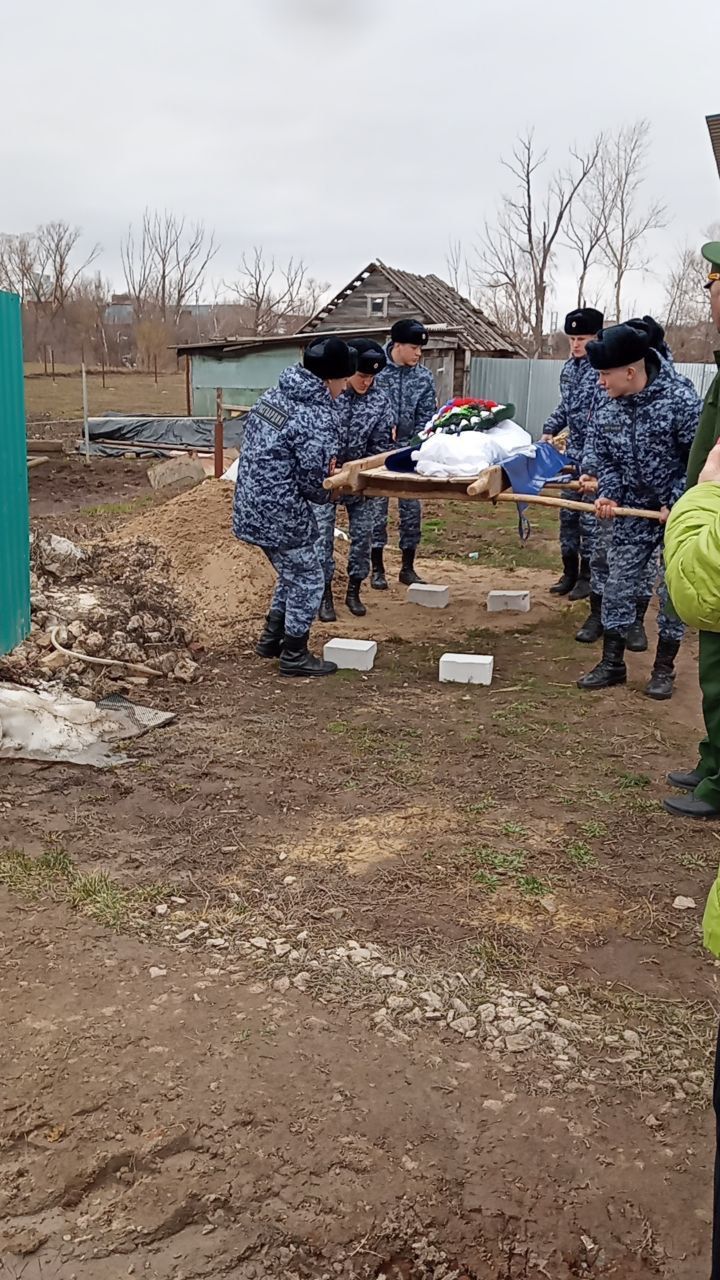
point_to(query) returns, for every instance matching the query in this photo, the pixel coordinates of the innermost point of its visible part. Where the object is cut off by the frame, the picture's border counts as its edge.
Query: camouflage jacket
(367, 423)
(642, 442)
(411, 393)
(580, 395)
(292, 437)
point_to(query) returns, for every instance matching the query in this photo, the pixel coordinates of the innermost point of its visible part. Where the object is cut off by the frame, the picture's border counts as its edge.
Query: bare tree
(617, 188)
(586, 226)
(43, 266)
(517, 255)
(458, 268)
(165, 264)
(279, 299)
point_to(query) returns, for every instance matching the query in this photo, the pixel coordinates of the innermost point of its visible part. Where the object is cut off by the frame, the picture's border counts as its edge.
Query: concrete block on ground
(466, 668)
(431, 597)
(508, 602)
(176, 471)
(351, 655)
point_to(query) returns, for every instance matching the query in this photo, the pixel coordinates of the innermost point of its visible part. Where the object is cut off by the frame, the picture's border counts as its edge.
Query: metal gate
(14, 510)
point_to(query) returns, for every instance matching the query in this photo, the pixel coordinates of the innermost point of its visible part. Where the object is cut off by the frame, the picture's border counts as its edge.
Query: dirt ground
(368, 976)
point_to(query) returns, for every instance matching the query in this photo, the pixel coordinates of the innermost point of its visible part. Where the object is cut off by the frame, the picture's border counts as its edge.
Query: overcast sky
(342, 130)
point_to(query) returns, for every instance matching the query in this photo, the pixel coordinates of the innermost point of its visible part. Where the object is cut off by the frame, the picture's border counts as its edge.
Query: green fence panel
(14, 510)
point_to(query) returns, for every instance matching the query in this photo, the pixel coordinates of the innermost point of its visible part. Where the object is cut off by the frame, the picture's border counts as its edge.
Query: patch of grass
(641, 804)
(337, 726)
(593, 829)
(532, 887)
(696, 861)
(112, 509)
(633, 781)
(581, 854)
(94, 894)
(513, 829)
(496, 860)
(486, 881)
(481, 805)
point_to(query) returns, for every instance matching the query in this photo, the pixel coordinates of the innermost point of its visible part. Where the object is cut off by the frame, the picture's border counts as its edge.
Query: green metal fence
(14, 510)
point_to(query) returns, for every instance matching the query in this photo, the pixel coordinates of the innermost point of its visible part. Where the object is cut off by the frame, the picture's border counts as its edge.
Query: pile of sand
(225, 583)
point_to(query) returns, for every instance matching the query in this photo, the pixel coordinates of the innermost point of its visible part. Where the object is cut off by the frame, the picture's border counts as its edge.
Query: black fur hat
(619, 346)
(370, 356)
(330, 358)
(411, 332)
(655, 333)
(582, 321)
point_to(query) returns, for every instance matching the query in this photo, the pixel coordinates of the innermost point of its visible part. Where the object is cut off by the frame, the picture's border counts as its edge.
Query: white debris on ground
(510, 1023)
(106, 602)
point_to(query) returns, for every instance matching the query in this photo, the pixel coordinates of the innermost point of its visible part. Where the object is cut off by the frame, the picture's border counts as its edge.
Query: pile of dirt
(225, 583)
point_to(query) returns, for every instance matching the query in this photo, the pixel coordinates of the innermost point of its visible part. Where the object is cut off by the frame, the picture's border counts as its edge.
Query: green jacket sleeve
(707, 433)
(692, 557)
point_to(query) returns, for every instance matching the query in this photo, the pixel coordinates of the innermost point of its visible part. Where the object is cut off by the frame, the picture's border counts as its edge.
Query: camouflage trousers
(300, 586)
(359, 515)
(599, 562)
(410, 522)
(635, 553)
(577, 531)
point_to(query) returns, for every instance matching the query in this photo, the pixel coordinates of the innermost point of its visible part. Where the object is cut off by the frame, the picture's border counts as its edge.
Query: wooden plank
(45, 446)
(36, 462)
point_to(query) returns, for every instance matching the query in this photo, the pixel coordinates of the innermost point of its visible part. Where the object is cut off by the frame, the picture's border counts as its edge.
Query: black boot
(378, 581)
(352, 599)
(271, 641)
(637, 641)
(662, 679)
(685, 781)
(690, 807)
(571, 564)
(611, 669)
(407, 574)
(581, 590)
(592, 628)
(326, 612)
(296, 659)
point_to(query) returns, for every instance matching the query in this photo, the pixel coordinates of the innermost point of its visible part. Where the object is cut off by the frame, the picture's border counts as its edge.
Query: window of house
(378, 306)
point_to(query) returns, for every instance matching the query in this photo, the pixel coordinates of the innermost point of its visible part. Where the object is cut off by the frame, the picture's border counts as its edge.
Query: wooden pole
(45, 358)
(219, 433)
(102, 362)
(567, 505)
(52, 360)
(188, 391)
(345, 478)
(155, 368)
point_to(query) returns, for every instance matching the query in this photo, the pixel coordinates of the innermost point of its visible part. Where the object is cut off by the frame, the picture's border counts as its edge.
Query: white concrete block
(430, 596)
(508, 602)
(351, 655)
(466, 668)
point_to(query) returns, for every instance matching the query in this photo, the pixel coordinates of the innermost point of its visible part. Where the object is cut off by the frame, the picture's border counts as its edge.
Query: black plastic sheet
(116, 433)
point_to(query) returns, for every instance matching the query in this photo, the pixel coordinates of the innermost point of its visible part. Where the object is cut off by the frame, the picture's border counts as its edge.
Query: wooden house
(379, 295)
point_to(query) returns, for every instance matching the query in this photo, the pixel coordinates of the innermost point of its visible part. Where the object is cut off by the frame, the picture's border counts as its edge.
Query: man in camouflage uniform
(643, 431)
(703, 782)
(410, 388)
(591, 630)
(579, 393)
(366, 429)
(290, 445)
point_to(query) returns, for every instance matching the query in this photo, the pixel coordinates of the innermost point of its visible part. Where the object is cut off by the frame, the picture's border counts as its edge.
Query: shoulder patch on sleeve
(271, 414)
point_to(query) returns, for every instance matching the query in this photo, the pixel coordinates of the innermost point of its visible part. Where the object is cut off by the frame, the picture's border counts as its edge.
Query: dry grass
(125, 392)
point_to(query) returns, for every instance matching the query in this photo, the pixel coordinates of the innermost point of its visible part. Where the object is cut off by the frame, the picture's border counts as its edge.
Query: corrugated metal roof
(235, 346)
(713, 124)
(437, 303)
(14, 517)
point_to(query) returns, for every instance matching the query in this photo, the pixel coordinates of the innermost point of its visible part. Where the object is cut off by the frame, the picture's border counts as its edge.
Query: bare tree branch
(617, 189)
(280, 299)
(517, 255)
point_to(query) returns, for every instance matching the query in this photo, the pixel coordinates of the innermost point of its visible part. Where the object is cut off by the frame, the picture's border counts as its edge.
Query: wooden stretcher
(370, 478)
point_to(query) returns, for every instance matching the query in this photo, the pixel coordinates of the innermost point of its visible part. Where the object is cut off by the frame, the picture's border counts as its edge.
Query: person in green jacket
(694, 583)
(692, 561)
